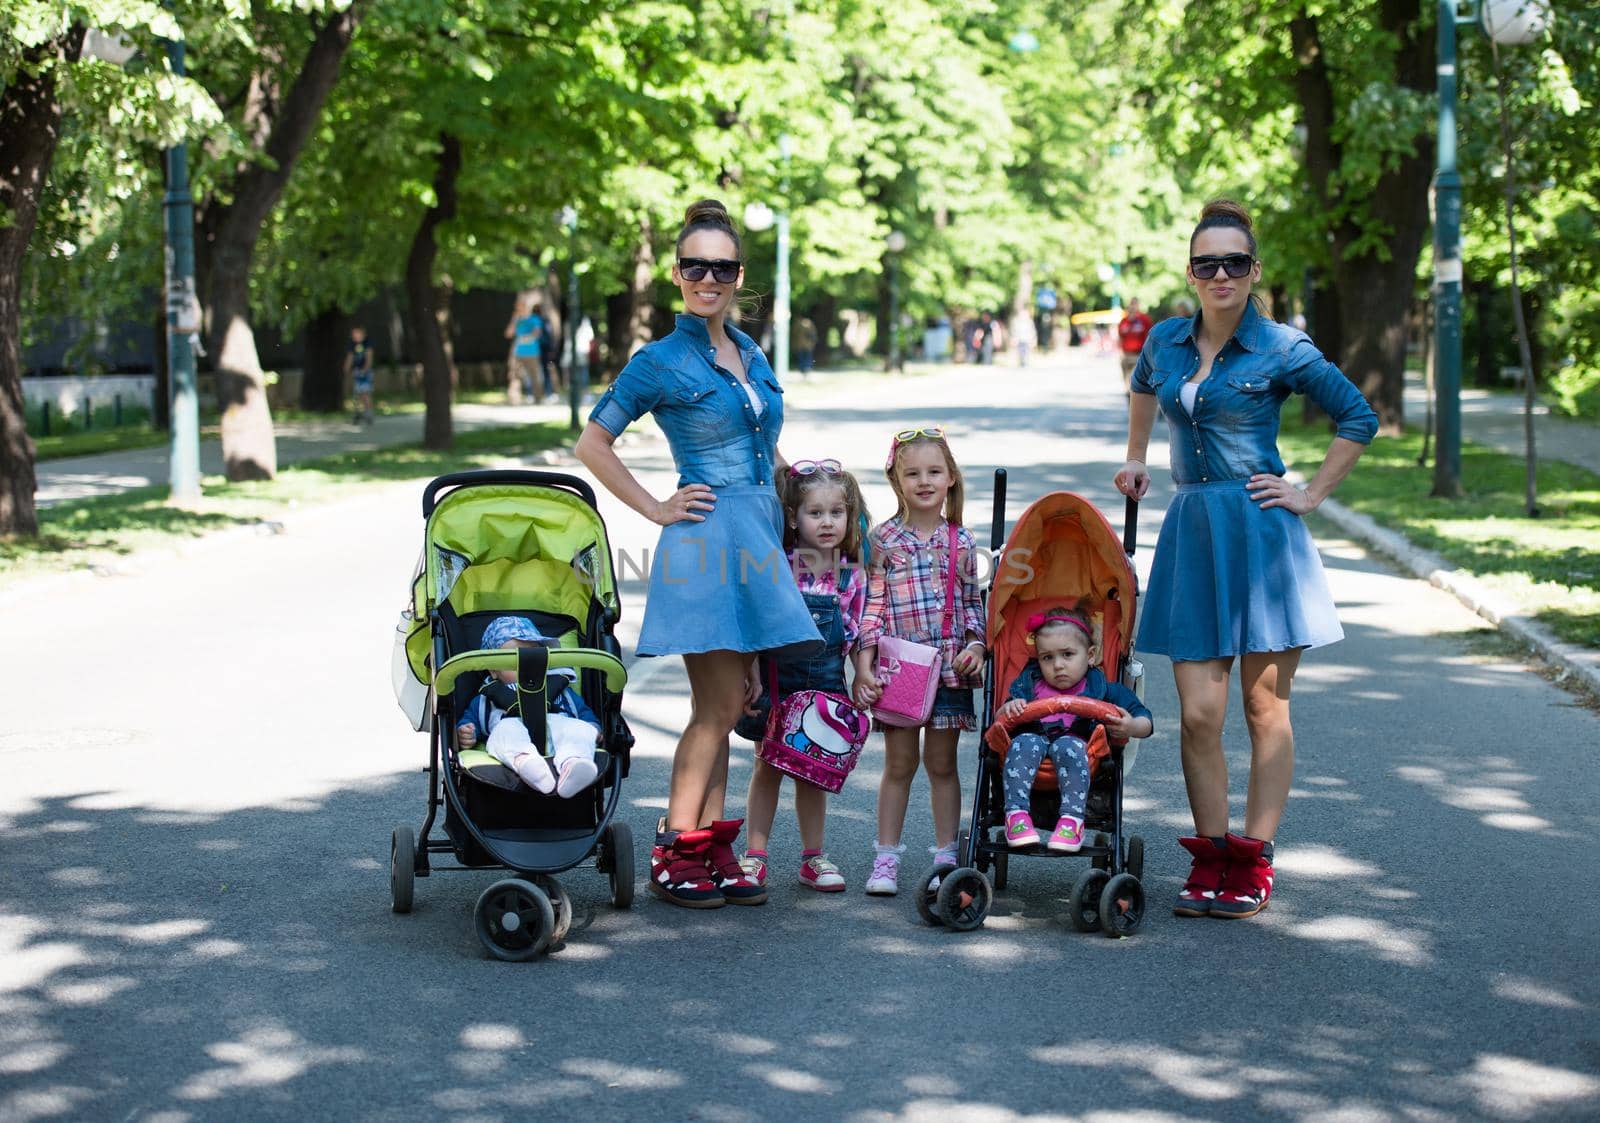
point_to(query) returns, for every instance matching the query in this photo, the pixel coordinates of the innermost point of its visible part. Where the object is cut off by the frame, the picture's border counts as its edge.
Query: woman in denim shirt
(1236, 574)
(720, 589)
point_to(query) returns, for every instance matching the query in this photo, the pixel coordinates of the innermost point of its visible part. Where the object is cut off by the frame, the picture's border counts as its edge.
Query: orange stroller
(1061, 552)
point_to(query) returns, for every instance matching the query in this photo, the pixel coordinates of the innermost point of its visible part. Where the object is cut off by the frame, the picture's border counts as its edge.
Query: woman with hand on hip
(1236, 575)
(720, 590)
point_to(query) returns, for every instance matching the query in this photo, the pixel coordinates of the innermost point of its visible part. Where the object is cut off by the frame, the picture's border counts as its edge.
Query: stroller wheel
(1085, 915)
(561, 903)
(1121, 906)
(928, 894)
(402, 869)
(964, 899)
(617, 852)
(1134, 862)
(515, 919)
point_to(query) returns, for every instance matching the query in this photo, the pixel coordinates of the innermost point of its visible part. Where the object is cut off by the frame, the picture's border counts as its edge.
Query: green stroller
(528, 544)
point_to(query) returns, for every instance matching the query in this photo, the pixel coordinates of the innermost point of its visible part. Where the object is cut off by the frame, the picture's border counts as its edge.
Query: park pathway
(202, 763)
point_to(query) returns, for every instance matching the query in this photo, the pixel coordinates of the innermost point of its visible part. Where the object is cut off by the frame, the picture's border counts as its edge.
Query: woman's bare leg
(1203, 699)
(1266, 677)
(700, 764)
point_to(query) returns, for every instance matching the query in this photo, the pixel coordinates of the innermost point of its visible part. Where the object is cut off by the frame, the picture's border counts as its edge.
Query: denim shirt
(1233, 433)
(716, 437)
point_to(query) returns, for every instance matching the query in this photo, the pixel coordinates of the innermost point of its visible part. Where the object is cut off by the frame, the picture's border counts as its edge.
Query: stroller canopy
(1061, 552)
(511, 547)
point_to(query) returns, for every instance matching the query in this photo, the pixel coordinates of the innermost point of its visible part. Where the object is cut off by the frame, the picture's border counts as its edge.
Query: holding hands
(684, 504)
(969, 660)
(867, 689)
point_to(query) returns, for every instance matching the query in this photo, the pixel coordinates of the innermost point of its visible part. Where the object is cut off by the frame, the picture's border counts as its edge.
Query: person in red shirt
(1130, 334)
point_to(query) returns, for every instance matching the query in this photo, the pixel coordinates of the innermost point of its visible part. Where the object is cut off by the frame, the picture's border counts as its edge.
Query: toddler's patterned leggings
(1071, 758)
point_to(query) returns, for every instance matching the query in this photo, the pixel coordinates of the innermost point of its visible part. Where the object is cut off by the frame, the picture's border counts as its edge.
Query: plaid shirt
(906, 590)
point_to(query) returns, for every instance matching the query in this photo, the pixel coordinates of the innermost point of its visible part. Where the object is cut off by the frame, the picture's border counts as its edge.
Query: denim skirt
(1230, 578)
(725, 585)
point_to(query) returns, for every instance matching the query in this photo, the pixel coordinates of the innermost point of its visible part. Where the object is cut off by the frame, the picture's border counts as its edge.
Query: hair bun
(1227, 209)
(709, 212)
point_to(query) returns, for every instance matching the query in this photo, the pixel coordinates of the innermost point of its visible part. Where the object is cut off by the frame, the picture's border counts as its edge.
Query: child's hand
(867, 689)
(1127, 726)
(1011, 709)
(752, 690)
(466, 736)
(969, 660)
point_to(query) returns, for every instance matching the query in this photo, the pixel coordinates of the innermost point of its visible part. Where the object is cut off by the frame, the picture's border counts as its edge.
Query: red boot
(736, 886)
(1205, 877)
(678, 872)
(1249, 881)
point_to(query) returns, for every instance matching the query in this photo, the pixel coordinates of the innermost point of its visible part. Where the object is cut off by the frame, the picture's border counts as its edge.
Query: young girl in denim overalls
(823, 517)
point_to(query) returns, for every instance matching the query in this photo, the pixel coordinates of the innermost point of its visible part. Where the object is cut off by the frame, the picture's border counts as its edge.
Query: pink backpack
(909, 672)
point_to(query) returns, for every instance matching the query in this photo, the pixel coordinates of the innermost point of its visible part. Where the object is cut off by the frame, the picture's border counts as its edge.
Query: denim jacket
(716, 437)
(1233, 433)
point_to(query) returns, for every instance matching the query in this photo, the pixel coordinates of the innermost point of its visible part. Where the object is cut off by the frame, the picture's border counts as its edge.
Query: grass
(1549, 565)
(96, 533)
(95, 441)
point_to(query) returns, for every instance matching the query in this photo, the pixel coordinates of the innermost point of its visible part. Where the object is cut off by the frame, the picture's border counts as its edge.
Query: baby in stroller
(1064, 663)
(573, 729)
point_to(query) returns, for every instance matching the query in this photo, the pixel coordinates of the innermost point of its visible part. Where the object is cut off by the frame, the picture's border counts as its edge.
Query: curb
(1569, 658)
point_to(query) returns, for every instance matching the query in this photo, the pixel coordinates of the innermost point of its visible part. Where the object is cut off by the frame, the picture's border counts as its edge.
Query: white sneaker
(885, 879)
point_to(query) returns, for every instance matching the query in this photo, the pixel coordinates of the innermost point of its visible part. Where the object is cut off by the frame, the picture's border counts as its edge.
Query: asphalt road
(201, 762)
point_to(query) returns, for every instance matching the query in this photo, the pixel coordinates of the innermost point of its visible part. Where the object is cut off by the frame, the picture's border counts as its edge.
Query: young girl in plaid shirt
(906, 578)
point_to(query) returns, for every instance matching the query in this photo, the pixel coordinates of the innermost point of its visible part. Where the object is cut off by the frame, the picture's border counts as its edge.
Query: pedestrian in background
(358, 365)
(713, 394)
(1236, 575)
(1131, 333)
(986, 328)
(805, 345)
(1023, 335)
(526, 332)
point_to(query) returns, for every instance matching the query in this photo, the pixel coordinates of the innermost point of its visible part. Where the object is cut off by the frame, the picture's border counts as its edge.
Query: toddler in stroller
(1063, 665)
(573, 729)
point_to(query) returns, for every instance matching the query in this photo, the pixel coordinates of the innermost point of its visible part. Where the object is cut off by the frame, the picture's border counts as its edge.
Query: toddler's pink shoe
(1068, 835)
(816, 872)
(1020, 830)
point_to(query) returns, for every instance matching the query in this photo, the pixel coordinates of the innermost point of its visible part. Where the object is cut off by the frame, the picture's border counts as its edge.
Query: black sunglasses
(1234, 265)
(695, 269)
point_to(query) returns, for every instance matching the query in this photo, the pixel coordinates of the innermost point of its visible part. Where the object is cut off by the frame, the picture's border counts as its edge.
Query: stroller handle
(430, 494)
(506, 660)
(1130, 526)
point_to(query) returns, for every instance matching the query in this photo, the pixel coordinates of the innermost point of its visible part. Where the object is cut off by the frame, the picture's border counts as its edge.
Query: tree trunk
(285, 120)
(30, 127)
(322, 377)
(423, 295)
(643, 289)
(1375, 285)
(825, 314)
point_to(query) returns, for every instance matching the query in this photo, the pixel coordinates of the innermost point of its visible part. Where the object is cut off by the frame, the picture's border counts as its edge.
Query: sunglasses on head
(934, 432)
(829, 467)
(723, 271)
(1234, 265)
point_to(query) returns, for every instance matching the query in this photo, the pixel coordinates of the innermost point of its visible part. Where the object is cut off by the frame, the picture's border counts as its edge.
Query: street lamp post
(895, 243)
(569, 219)
(1507, 22)
(1447, 269)
(780, 296)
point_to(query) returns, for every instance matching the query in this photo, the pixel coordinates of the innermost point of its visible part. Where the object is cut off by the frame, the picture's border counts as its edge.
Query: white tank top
(1187, 395)
(755, 399)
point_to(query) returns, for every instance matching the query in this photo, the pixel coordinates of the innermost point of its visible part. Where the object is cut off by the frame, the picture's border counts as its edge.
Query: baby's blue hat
(503, 629)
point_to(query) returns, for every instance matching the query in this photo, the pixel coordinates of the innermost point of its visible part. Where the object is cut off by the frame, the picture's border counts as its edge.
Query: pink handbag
(909, 672)
(816, 736)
